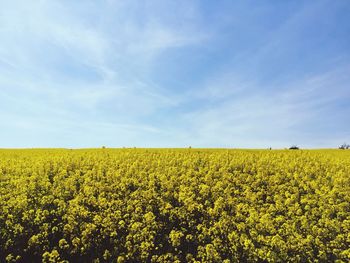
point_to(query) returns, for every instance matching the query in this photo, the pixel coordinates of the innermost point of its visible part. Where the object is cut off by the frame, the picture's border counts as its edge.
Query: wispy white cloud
(86, 73)
(41, 39)
(278, 118)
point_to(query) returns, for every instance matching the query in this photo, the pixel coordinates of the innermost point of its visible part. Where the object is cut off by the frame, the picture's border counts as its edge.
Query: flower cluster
(174, 205)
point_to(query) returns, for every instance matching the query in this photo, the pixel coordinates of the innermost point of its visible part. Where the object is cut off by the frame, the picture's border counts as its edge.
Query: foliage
(174, 205)
(344, 146)
(294, 147)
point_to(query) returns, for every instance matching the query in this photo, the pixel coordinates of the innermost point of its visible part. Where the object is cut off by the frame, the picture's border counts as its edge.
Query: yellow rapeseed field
(174, 205)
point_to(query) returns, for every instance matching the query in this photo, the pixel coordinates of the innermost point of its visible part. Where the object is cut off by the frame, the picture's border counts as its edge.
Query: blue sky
(174, 73)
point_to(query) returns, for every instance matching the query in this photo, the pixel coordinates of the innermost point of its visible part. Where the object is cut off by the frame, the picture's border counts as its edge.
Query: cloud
(81, 71)
(52, 37)
(160, 73)
(279, 118)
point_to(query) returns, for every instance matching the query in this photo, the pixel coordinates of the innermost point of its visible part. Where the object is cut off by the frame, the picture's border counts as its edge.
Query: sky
(159, 73)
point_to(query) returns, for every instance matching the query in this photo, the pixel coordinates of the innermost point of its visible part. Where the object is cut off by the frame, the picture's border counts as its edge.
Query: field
(174, 205)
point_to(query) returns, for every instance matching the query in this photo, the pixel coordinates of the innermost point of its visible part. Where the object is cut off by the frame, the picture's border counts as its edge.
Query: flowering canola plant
(174, 205)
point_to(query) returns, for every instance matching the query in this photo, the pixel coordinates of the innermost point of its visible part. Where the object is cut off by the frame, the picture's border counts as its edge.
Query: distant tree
(294, 147)
(344, 146)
